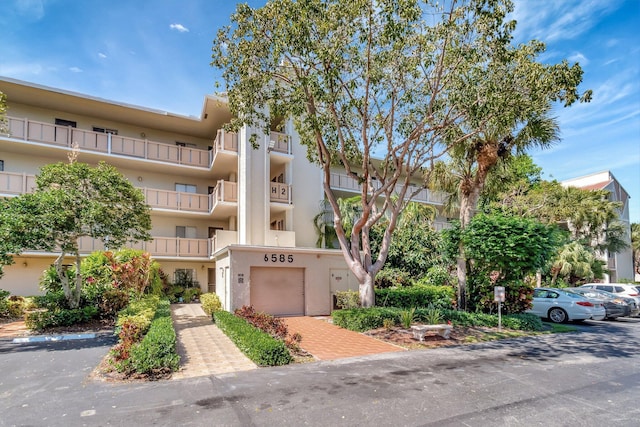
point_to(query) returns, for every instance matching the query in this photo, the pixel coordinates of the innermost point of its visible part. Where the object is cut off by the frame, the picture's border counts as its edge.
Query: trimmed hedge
(416, 296)
(260, 347)
(363, 319)
(40, 320)
(156, 354)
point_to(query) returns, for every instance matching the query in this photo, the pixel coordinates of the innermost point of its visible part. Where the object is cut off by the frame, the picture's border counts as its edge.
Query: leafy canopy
(379, 87)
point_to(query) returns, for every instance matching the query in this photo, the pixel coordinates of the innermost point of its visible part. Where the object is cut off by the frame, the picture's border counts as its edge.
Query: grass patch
(556, 328)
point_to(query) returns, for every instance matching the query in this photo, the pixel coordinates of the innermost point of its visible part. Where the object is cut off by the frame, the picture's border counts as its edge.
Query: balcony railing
(345, 182)
(64, 136)
(225, 191)
(278, 142)
(281, 238)
(225, 141)
(172, 246)
(280, 193)
(16, 183)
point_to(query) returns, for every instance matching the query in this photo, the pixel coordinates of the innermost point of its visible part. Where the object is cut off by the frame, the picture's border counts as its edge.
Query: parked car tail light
(585, 303)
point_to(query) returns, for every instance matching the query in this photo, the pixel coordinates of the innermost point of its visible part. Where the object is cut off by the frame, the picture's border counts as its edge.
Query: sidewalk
(204, 350)
(329, 342)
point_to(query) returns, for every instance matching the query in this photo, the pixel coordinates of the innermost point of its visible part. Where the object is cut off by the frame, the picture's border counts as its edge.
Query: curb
(54, 338)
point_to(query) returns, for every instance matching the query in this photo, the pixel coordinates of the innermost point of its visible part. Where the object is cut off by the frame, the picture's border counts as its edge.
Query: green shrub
(347, 299)
(4, 303)
(40, 320)
(191, 294)
(407, 317)
(112, 301)
(518, 295)
(437, 276)
(416, 296)
(433, 315)
(156, 354)
(210, 303)
(392, 277)
(364, 319)
(260, 347)
(52, 300)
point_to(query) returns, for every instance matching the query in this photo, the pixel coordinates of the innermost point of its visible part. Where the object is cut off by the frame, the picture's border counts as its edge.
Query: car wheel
(557, 315)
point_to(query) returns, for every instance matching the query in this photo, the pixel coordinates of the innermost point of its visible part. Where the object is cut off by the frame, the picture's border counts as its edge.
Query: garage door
(278, 291)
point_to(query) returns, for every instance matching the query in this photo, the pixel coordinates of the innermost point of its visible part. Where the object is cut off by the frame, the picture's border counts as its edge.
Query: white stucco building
(236, 219)
(620, 265)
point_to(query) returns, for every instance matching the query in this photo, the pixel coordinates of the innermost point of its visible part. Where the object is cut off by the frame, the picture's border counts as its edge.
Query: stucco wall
(317, 265)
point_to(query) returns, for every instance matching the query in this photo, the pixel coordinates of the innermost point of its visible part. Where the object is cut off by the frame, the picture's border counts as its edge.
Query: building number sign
(278, 258)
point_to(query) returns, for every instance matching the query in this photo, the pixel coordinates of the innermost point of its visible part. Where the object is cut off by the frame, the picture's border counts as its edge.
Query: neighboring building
(620, 265)
(236, 219)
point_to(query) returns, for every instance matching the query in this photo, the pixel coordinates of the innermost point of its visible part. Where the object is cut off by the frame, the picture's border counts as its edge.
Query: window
(105, 130)
(186, 188)
(1, 165)
(185, 232)
(185, 277)
(63, 122)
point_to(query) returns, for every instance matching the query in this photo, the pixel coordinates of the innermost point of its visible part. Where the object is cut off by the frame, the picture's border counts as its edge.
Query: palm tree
(576, 263)
(465, 175)
(635, 245)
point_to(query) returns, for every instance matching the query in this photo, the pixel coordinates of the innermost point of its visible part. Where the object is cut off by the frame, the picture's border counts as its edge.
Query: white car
(623, 289)
(560, 306)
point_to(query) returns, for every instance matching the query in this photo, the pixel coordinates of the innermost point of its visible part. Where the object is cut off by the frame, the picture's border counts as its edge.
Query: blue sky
(156, 53)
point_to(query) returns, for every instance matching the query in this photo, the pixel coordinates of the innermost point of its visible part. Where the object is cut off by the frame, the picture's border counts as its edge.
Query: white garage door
(278, 291)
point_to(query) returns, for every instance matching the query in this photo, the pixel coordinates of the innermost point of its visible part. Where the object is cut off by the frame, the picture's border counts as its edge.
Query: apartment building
(236, 219)
(620, 264)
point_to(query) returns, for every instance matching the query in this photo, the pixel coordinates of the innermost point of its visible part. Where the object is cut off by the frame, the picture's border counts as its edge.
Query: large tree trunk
(367, 294)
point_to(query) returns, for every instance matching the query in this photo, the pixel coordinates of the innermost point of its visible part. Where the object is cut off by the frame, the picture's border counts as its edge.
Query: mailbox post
(499, 296)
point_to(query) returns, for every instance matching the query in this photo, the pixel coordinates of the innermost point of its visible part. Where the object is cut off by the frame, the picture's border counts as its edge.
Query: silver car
(615, 305)
(560, 306)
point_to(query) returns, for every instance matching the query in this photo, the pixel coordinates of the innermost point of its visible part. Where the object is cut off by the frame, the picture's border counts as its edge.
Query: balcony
(225, 153)
(16, 183)
(278, 142)
(106, 143)
(346, 183)
(222, 201)
(280, 193)
(172, 247)
(281, 238)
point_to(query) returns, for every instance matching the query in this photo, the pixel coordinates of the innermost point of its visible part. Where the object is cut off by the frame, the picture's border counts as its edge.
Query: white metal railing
(64, 136)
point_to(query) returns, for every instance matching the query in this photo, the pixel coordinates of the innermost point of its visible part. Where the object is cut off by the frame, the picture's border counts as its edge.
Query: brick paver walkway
(328, 342)
(203, 348)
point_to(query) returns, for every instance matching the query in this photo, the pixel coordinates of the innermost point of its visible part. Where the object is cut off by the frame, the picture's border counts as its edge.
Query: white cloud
(558, 20)
(75, 69)
(102, 55)
(578, 57)
(179, 27)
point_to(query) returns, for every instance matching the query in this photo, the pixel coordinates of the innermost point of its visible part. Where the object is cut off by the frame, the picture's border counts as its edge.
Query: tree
(635, 244)
(503, 249)
(589, 216)
(377, 78)
(576, 264)
(3, 112)
(72, 201)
